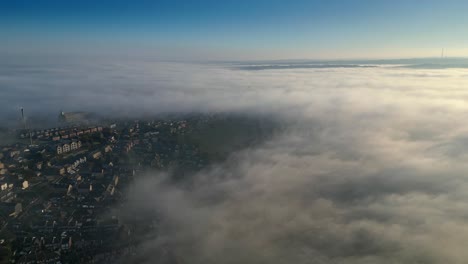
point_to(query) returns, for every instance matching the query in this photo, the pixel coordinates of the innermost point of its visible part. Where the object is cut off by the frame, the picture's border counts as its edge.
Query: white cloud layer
(372, 168)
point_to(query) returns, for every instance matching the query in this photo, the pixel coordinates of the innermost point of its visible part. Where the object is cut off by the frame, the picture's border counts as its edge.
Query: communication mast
(23, 121)
(25, 127)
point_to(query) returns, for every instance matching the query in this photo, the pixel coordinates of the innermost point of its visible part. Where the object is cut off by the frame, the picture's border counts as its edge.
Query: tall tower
(23, 121)
(25, 127)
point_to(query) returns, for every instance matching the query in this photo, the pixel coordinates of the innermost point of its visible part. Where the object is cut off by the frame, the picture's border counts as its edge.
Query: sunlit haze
(234, 132)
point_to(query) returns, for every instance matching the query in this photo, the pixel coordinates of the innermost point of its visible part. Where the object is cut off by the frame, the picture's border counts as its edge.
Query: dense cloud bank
(372, 168)
(133, 87)
(324, 192)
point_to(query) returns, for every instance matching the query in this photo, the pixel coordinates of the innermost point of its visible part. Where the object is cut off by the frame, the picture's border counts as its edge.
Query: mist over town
(175, 133)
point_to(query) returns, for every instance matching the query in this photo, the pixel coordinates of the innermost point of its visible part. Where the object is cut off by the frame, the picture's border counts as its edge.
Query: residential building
(66, 147)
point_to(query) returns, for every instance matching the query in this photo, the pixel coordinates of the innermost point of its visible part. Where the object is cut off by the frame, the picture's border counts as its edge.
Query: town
(62, 187)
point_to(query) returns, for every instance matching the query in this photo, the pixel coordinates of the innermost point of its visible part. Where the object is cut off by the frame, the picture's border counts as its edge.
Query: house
(59, 149)
(8, 194)
(66, 148)
(107, 148)
(14, 153)
(75, 145)
(96, 154)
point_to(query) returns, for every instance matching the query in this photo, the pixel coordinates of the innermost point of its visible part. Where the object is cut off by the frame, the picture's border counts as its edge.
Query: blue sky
(240, 29)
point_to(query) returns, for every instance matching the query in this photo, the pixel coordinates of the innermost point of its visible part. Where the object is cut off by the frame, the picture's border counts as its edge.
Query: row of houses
(71, 168)
(76, 133)
(44, 132)
(68, 146)
(7, 192)
(59, 133)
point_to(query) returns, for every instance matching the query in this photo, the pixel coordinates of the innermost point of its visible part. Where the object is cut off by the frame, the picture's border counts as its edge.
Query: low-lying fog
(372, 168)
